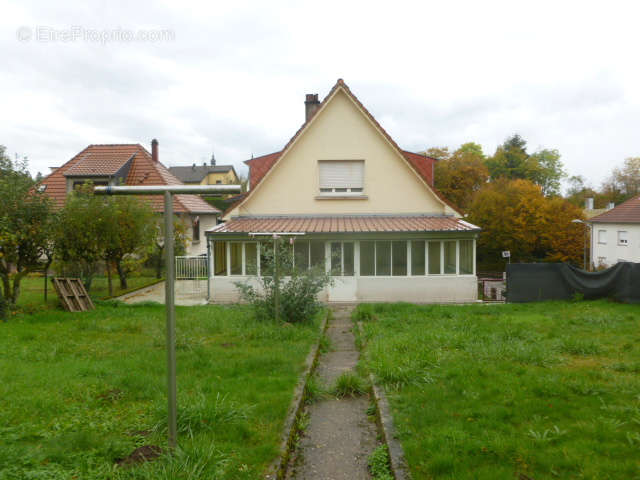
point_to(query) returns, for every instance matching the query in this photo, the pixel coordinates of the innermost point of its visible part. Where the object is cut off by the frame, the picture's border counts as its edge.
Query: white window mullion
(474, 256)
(243, 259)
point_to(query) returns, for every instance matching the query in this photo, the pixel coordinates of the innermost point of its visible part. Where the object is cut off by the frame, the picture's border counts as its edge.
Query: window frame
(623, 242)
(602, 237)
(341, 191)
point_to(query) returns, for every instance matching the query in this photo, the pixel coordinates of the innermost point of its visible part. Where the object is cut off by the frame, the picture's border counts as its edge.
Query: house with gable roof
(615, 234)
(132, 164)
(348, 198)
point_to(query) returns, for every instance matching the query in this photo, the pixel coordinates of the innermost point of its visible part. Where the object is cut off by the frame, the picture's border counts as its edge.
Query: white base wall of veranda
(427, 289)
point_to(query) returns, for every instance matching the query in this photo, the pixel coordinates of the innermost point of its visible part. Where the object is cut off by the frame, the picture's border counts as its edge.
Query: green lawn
(32, 290)
(79, 391)
(535, 391)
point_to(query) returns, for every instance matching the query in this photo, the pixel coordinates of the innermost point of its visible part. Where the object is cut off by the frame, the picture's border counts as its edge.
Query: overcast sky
(230, 77)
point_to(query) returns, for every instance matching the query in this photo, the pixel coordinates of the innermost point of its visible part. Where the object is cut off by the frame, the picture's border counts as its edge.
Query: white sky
(563, 74)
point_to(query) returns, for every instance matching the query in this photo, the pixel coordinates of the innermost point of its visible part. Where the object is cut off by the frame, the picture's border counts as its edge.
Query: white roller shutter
(342, 174)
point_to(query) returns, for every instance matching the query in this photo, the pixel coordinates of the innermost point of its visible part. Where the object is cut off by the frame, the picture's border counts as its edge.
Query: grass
(540, 391)
(349, 384)
(80, 391)
(378, 463)
(32, 291)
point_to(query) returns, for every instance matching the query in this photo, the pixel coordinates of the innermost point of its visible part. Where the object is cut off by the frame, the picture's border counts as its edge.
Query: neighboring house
(206, 174)
(349, 199)
(131, 164)
(616, 234)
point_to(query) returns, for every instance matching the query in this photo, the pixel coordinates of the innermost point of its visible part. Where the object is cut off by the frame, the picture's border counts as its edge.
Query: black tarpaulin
(536, 282)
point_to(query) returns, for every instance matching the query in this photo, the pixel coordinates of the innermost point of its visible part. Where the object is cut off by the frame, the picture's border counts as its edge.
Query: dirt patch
(111, 395)
(585, 362)
(227, 345)
(145, 453)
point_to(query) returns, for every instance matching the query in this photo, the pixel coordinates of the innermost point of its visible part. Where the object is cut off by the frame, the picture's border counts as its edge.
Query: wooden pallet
(72, 294)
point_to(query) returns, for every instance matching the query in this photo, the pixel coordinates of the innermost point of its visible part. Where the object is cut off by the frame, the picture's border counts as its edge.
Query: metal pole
(586, 229)
(275, 278)
(171, 319)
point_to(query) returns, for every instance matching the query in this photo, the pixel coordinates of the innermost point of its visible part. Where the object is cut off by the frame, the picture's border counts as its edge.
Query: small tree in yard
(25, 226)
(156, 250)
(294, 290)
(80, 232)
(130, 228)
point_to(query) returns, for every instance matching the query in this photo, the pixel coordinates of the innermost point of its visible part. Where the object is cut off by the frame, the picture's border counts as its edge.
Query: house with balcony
(346, 197)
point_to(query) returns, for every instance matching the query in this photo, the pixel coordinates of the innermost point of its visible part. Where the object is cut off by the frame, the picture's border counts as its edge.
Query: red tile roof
(100, 162)
(345, 224)
(627, 212)
(143, 171)
(421, 164)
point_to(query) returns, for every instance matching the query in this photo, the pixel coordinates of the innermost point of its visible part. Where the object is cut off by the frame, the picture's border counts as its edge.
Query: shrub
(297, 292)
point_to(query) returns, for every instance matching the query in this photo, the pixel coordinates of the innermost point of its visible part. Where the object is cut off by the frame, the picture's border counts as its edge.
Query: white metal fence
(192, 276)
(191, 268)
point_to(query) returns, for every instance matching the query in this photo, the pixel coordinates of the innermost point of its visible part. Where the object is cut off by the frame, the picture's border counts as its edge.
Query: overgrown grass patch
(81, 391)
(546, 390)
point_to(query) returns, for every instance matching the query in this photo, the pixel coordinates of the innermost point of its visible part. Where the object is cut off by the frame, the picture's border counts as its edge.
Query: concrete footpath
(339, 437)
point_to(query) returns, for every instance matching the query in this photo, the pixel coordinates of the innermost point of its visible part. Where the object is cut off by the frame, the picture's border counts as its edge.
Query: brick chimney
(311, 104)
(154, 150)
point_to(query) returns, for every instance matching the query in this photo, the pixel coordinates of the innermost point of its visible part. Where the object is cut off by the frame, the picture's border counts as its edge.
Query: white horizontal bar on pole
(160, 189)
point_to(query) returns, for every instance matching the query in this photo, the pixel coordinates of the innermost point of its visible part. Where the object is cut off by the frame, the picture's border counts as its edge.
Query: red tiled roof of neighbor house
(100, 160)
(421, 164)
(344, 224)
(627, 212)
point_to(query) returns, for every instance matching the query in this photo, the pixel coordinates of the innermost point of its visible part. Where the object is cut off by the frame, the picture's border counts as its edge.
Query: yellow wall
(227, 178)
(341, 132)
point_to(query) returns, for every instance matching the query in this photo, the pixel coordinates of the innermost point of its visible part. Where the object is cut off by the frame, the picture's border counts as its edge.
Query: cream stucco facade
(340, 131)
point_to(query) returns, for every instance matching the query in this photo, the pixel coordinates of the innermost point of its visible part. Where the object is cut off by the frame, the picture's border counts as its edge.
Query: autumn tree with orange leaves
(516, 216)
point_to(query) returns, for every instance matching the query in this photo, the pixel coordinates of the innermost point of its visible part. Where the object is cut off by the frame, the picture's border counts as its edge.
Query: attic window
(341, 177)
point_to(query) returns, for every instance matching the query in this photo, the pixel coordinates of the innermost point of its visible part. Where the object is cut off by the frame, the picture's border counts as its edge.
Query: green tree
(129, 230)
(624, 182)
(462, 174)
(80, 233)
(512, 161)
(156, 249)
(25, 226)
(439, 153)
(549, 171)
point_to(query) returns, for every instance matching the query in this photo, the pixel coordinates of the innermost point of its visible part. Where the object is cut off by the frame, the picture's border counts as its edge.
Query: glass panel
(367, 258)
(434, 258)
(266, 256)
(348, 259)
(317, 254)
(236, 258)
(336, 258)
(466, 257)
(417, 257)
(301, 249)
(449, 257)
(399, 266)
(383, 258)
(251, 258)
(286, 263)
(220, 258)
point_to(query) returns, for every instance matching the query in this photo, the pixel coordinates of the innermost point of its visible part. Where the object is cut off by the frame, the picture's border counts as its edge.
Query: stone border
(278, 469)
(397, 460)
